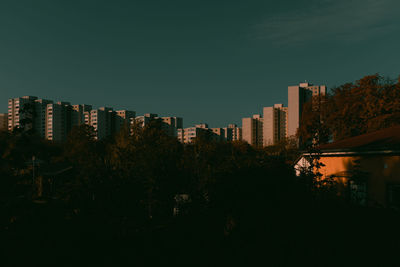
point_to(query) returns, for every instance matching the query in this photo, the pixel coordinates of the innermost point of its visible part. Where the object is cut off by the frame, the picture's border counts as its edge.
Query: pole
(33, 172)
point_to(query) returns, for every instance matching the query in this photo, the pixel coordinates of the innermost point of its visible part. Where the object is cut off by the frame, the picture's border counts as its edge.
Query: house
(368, 167)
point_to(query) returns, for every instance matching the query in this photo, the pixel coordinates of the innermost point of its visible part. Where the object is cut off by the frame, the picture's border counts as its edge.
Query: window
(358, 192)
(393, 195)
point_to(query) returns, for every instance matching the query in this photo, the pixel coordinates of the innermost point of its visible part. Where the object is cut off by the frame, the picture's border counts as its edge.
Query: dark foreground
(317, 235)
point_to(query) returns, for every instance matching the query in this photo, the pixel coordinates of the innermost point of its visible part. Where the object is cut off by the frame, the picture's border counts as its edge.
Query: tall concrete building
(233, 133)
(145, 119)
(16, 114)
(3, 121)
(297, 96)
(40, 116)
(171, 125)
(54, 121)
(218, 134)
(78, 113)
(252, 130)
(123, 117)
(101, 120)
(275, 122)
(187, 135)
(58, 121)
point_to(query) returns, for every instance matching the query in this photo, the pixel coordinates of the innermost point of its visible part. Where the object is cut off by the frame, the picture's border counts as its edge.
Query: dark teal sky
(206, 61)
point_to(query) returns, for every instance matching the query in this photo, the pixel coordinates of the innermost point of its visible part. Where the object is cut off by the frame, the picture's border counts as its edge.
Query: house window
(393, 195)
(358, 192)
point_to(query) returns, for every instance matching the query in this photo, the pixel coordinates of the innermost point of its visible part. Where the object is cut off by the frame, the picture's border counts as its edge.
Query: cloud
(342, 21)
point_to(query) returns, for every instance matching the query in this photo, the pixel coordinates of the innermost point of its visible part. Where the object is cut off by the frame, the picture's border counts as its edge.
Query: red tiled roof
(388, 138)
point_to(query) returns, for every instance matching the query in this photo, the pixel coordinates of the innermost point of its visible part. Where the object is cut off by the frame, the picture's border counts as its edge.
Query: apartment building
(123, 117)
(54, 121)
(275, 121)
(145, 119)
(58, 121)
(233, 133)
(218, 134)
(16, 114)
(187, 135)
(3, 121)
(78, 113)
(101, 120)
(252, 130)
(40, 116)
(298, 95)
(171, 125)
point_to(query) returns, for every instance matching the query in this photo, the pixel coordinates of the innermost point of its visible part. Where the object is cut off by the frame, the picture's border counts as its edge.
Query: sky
(206, 61)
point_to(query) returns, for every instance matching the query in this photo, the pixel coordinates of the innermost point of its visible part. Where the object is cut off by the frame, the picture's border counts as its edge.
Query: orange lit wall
(382, 170)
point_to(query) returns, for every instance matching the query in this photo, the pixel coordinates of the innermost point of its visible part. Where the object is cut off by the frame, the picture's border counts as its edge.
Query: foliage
(369, 104)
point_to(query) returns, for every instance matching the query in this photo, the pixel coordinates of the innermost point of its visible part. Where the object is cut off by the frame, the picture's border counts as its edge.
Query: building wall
(171, 125)
(218, 134)
(187, 135)
(269, 126)
(40, 120)
(297, 96)
(123, 117)
(383, 172)
(58, 121)
(252, 130)
(100, 120)
(55, 121)
(294, 105)
(15, 105)
(78, 114)
(145, 119)
(228, 134)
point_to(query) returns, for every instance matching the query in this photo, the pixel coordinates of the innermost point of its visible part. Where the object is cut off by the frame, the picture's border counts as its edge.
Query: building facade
(365, 169)
(102, 122)
(233, 133)
(275, 124)
(58, 121)
(145, 119)
(298, 95)
(123, 118)
(171, 125)
(54, 121)
(17, 113)
(78, 113)
(252, 130)
(187, 135)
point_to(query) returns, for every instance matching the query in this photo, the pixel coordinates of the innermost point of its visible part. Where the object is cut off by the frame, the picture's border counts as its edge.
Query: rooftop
(386, 139)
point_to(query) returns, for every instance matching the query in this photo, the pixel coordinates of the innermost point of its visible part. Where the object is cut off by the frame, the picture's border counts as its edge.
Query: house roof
(386, 139)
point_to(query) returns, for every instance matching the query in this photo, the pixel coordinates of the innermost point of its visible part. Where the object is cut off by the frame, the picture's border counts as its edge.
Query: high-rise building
(20, 110)
(54, 121)
(274, 124)
(58, 121)
(101, 120)
(40, 122)
(233, 133)
(252, 130)
(3, 121)
(171, 125)
(297, 96)
(218, 134)
(123, 117)
(145, 119)
(78, 113)
(187, 135)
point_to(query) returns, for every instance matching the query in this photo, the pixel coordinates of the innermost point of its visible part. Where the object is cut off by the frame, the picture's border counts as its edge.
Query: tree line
(366, 105)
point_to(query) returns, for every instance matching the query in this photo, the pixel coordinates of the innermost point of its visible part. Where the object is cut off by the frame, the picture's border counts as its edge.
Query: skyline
(206, 62)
